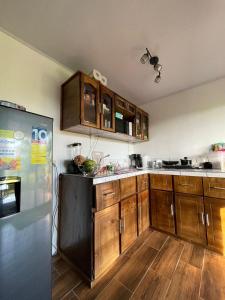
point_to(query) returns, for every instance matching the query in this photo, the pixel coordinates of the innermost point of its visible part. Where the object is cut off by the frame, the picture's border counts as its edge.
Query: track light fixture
(154, 61)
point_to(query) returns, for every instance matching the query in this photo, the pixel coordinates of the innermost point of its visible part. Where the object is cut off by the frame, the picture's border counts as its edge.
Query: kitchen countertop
(184, 172)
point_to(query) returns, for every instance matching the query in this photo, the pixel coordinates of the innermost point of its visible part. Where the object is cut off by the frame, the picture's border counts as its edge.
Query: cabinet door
(143, 211)
(138, 124)
(145, 126)
(107, 109)
(190, 218)
(188, 184)
(127, 187)
(142, 182)
(215, 223)
(129, 222)
(161, 182)
(214, 187)
(90, 109)
(107, 194)
(106, 243)
(162, 210)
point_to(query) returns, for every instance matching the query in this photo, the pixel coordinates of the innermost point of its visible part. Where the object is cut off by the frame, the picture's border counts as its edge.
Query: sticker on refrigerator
(39, 146)
(9, 156)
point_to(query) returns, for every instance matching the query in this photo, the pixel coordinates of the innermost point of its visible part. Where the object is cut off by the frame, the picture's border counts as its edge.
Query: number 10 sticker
(39, 135)
(39, 146)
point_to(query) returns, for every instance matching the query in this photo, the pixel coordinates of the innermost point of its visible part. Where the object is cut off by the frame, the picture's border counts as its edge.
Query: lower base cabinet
(190, 218)
(162, 210)
(107, 238)
(143, 211)
(215, 223)
(128, 222)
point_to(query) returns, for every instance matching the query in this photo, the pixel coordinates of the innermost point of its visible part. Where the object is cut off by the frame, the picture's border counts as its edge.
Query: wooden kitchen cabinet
(214, 187)
(215, 223)
(107, 109)
(188, 185)
(128, 221)
(107, 238)
(138, 123)
(143, 211)
(142, 182)
(162, 210)
(80, 102)
(90, 108)
(190, 218)
(161, 182)
(107, 194)
(127, 187)
(145, 126)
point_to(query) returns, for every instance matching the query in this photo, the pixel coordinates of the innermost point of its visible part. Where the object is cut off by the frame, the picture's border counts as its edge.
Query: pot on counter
(185, 161)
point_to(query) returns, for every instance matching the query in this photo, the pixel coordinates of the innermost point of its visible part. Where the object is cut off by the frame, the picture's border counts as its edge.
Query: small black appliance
(136, 161)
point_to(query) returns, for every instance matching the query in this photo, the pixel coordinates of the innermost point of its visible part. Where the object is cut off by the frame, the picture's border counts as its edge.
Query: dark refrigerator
(25, 205)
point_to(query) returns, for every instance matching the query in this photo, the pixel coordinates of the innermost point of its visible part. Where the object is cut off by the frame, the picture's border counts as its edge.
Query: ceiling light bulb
(158, 67)
(144, 58)
(158, 78)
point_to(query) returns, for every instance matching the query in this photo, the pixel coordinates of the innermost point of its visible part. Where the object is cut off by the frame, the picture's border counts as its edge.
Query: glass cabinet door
(138, 124)
(90, 102)
(107, 109)
(145, 126)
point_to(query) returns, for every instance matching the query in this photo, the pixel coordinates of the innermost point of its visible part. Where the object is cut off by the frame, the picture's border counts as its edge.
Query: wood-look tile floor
(157, 266)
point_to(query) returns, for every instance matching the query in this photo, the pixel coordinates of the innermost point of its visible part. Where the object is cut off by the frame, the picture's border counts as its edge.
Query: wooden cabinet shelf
(90, 108)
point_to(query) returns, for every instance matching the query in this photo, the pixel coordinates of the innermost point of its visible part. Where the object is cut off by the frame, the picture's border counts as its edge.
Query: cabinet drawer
(161, 182)
(142, 182)
(188, 185)
(127, 187)
(214, 187)
(107, 194)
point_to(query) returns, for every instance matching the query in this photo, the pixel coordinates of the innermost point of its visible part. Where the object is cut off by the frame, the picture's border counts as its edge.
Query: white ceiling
(111, 36)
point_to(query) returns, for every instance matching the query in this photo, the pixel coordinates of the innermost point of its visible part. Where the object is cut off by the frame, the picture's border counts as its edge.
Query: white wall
(33, 80)
(186, 123)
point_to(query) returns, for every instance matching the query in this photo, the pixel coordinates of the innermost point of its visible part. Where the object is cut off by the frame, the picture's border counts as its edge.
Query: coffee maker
(136, 161)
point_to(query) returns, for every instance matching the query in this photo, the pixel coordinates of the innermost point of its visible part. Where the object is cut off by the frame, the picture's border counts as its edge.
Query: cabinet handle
(109, 194)
(203, 219)
(185, 184)
(217, 188)
(171, 209)
(120, 226)
(207, 220)
(140, 211)
(123, 224)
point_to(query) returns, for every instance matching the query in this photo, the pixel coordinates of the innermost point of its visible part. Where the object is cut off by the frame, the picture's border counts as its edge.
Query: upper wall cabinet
(90, 108)
(89, 102)
(107, 109)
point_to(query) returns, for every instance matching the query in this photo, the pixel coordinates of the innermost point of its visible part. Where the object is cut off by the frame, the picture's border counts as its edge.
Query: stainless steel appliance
(25, 205)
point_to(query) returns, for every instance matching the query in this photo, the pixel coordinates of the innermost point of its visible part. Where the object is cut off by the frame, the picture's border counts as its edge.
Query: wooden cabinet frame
(73, 111)
(105, 90)
(87, 80)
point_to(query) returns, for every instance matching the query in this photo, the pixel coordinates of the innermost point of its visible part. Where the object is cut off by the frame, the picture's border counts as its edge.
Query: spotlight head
(144, 58)
(154, 60)
(158, 67)
(158, 78)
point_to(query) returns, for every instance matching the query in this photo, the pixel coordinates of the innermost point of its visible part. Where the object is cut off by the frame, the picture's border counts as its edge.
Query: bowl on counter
(170, 162)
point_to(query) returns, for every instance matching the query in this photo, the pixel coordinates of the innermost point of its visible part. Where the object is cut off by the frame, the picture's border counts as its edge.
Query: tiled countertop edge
(199, 173)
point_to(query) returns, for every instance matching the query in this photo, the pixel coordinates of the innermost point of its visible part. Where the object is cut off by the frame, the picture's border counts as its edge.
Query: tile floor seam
(75, 294)
(179, 259)
(203, 262)
(158, 251)
(71, 290)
